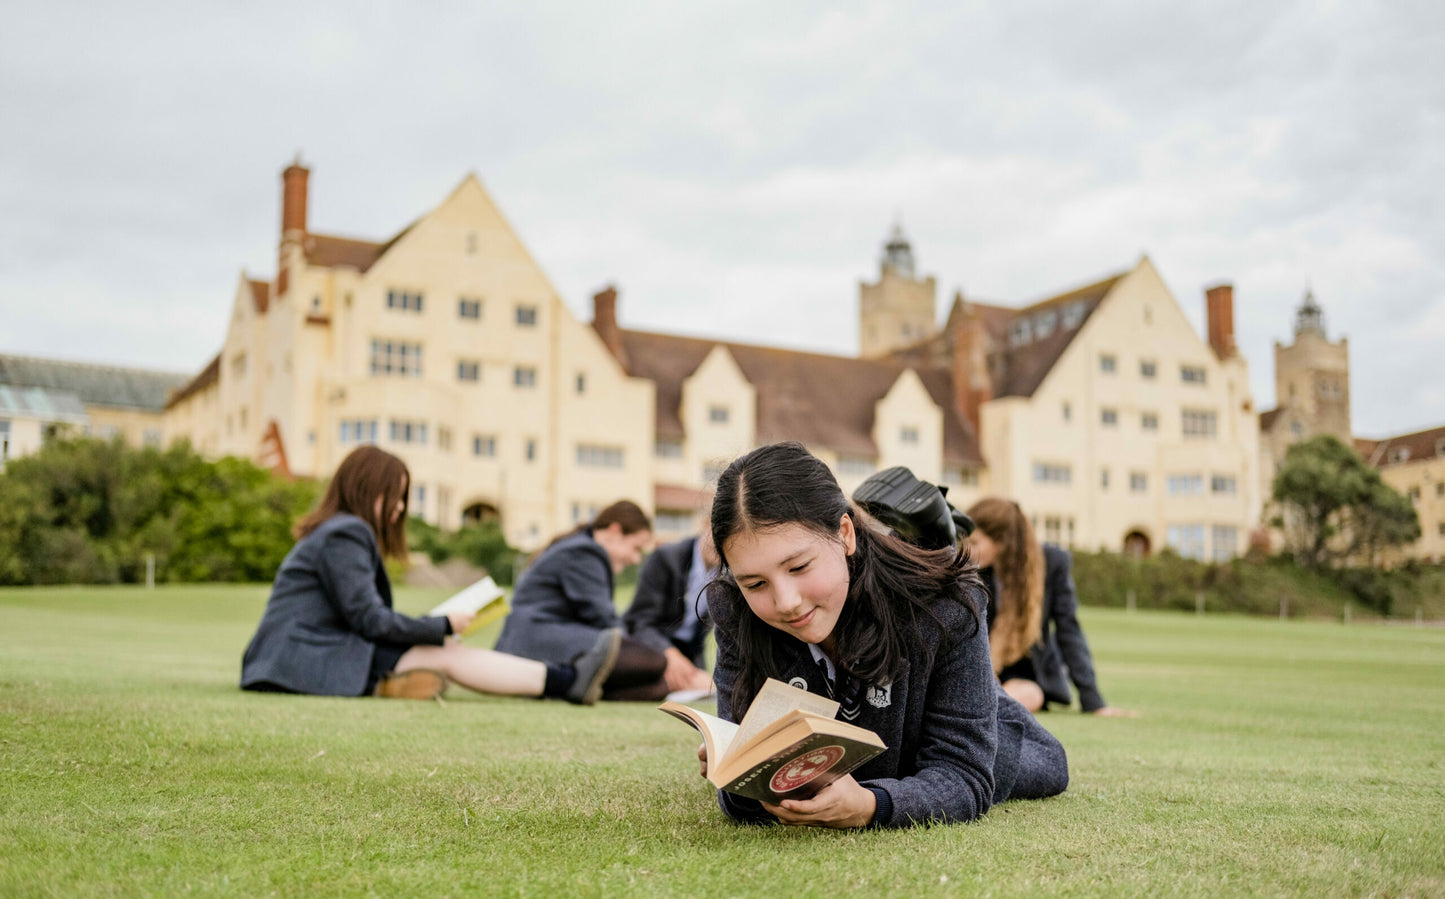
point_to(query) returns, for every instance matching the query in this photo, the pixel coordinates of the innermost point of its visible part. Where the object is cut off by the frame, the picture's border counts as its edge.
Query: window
(1185, 484)
(357, 430)
(238, 365)
(403, 300)
(1199, 423)
(471, 243)
(1224, 542)
(1414, 494)
(1442, 529)
(529, 451)
(591, 456)
(1045, 322)
(469, 308)
(4, 439)
(1109, 417)
(1045, 473)
(1021, 332)
(712, 469)
(1191, 374)
(718, 415)
(444, 439)
(908, 435)
(1222, 484)
(1187, 540)
(469, 371)
(1068, 412)
(673, 521)
(1138, 482)
(856, 466)
(1103, 479)
(1440, 489)
(1053, 528)
(1296, 429)
(581, 382)
(524, 376)
(954, 476)
(418, 500)
(667, 448)
(581, 513)
(1400, 454)
(1073, 314)
(404, 431)
(1149, 421)
(393, 357)
(1148, 369)
(526, 316)
(1108, 363)
(484, 445)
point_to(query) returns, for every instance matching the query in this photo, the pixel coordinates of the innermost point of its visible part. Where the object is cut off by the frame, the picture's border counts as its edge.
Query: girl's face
(396, 510)
(622, 549)
(982, 549)
(793, 578)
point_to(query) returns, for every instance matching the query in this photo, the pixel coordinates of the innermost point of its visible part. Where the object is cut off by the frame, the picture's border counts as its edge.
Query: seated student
(669, 610)
(893, 632)
(563, 602)
(329, 628)
(1033, 629)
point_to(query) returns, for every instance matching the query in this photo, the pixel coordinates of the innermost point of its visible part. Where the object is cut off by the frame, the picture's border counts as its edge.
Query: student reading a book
(811, 597)
(563, 602)
(329, 627)
(669, 609)
(1033, 628)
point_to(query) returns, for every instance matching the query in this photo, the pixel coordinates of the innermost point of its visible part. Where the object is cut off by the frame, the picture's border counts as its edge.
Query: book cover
(484, 598)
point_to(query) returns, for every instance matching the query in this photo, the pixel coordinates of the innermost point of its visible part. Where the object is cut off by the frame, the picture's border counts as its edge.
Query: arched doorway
(479, 513)
(1136, 544)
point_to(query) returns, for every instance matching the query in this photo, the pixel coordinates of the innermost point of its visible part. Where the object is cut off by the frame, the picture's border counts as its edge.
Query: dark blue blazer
(562, 601)
(329, 606)
(660, 604)
(957, 743)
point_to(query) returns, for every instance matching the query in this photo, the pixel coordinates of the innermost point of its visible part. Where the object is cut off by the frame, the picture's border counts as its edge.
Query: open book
(484, 598)
(788, 746)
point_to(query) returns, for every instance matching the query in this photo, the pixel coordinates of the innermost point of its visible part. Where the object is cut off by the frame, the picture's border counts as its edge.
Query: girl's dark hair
(890, 582)
(364, 475)
(1019, 615)
(624, 512)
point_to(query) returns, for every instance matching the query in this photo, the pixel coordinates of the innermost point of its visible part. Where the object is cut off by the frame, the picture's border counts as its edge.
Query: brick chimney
(972, 386)
(1219, 312)
(293, 219)
(604, 322)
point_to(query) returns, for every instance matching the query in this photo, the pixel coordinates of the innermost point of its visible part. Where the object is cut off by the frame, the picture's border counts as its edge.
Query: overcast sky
(734, 168)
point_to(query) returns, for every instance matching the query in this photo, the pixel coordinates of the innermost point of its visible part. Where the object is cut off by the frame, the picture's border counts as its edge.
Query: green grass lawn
(1272, 758)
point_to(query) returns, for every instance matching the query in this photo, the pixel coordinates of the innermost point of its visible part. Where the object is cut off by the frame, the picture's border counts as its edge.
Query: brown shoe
(415, 683)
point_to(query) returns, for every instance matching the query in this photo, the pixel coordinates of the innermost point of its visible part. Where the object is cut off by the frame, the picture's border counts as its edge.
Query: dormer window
(1400, 454)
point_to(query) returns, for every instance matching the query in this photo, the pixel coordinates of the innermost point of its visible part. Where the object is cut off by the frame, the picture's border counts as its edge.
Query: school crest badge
(880, 697)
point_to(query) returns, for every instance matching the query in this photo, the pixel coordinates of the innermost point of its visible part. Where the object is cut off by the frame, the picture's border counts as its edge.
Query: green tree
(91, 511)
(1333, 505)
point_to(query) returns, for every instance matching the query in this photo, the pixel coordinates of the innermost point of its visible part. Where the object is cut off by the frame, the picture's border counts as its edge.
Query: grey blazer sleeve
(346, 569)
(1072, 645)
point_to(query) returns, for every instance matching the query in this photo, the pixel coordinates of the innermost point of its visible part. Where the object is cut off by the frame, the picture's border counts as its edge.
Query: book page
(775, 700)
(717, 733)
(469, 599)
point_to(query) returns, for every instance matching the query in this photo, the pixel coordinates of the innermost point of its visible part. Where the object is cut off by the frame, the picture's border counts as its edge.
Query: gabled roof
(823, 401)
(1429, 444)
(208, 376)
(94, 385)
(1268, 418)
(1018, 370)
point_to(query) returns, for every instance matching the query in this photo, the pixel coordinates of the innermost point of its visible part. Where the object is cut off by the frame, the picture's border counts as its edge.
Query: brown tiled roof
(261, 293)
(208, 376)
(823, 401)
(327, 251)
(671, 496)
(1366, 447)
(1267, 418)
(1016, 371)
(1419, 445)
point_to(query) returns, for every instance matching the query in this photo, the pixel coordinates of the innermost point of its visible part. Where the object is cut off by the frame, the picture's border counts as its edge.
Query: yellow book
(484, 598)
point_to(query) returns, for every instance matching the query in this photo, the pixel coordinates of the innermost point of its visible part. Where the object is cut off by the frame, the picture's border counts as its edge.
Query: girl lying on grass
(894, 633)
(329, 628)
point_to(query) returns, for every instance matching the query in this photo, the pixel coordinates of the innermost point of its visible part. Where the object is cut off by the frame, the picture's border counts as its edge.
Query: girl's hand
(459, 621)
(702, 758)
(843, 803)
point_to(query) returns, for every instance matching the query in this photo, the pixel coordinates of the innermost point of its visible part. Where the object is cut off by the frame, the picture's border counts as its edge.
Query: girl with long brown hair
(329, 627)
(1033, 625)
